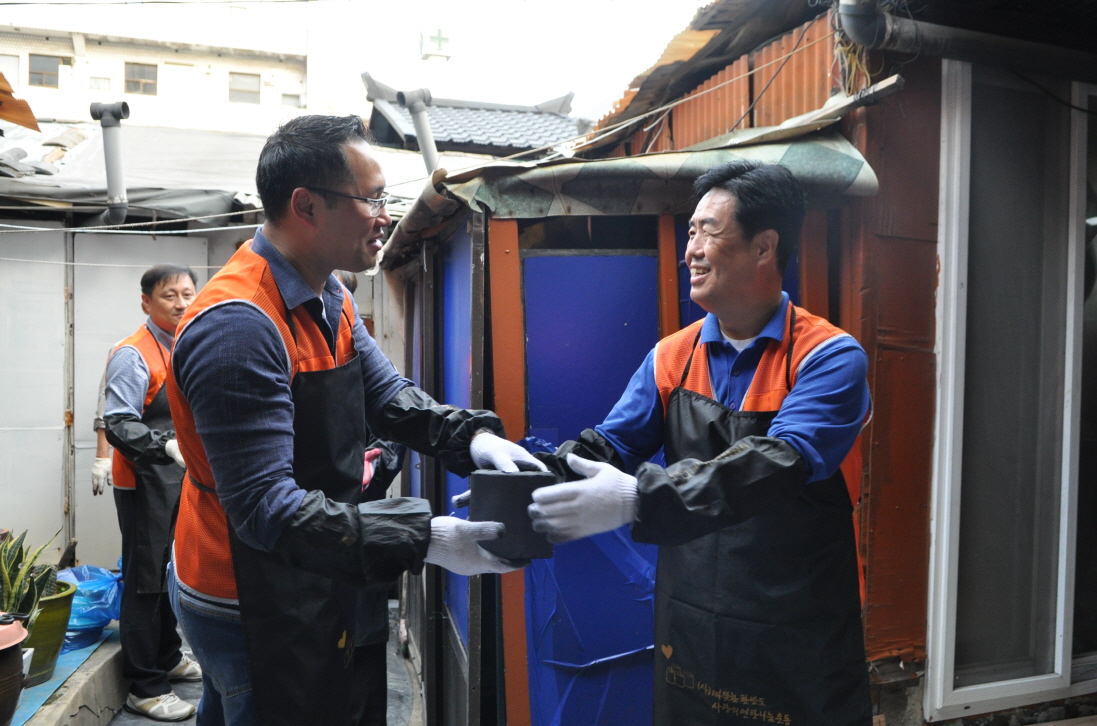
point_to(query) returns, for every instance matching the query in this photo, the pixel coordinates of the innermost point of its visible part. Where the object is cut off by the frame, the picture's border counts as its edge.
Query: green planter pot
(49, 632)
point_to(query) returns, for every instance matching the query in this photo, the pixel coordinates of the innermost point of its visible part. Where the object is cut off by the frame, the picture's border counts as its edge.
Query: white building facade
(165, 83)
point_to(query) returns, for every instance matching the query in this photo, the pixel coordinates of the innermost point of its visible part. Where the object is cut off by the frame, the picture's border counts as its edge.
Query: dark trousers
(150, 641)
(371, 694)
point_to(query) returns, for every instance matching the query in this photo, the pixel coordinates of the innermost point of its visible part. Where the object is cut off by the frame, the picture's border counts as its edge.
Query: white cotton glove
(101, 475)
(171, 448)
(573, 510)
(489, 451)
(453, 546)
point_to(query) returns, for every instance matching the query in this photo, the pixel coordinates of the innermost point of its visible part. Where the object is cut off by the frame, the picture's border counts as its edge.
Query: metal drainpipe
(416, 102)
(867, 25)
(110, 116)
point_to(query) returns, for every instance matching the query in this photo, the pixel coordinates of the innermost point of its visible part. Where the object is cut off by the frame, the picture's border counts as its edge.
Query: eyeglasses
(375, 205)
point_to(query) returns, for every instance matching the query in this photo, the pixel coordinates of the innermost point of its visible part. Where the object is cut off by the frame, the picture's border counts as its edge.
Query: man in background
(148, 476)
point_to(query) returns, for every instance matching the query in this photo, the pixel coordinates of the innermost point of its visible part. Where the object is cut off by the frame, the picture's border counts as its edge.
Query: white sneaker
(167, 707)
(188, 670)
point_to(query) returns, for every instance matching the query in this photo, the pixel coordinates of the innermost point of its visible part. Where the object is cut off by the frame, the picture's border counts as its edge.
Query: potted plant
(25, 587)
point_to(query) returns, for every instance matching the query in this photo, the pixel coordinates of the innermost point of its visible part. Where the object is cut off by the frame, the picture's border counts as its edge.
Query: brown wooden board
(669, 312)
(508, 366)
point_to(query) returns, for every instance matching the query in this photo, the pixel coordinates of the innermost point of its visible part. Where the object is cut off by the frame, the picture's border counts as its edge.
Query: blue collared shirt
(230, 363)
(127, 376)
(821, 417)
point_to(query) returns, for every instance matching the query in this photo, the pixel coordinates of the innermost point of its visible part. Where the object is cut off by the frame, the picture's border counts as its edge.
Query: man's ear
(302, 204)
(146, 304)
(765, 245)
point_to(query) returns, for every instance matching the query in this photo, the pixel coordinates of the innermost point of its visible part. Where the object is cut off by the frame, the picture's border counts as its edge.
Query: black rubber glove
(419, 422)
(693, 498)
(368, 543)
(590, 446)
(136, 441)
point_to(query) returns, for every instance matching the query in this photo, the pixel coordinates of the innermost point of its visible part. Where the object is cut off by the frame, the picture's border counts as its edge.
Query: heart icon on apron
(668, 650)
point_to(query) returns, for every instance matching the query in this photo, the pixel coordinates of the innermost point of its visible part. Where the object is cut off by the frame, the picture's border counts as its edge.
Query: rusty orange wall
(804, 83)
(889, 278)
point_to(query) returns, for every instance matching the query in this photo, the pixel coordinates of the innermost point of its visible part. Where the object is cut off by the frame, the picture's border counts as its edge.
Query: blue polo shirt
(820, 418)
(231, 365)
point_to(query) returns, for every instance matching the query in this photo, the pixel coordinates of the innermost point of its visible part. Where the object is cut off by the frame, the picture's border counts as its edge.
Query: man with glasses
(274, 386)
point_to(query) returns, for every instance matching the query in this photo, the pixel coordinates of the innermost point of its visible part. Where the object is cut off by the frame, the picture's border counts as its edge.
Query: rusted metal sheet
(888, 289)
(708, 112)
(723, 29)
(720, 104)
(895, 502)
(814, 278)
(803, 83)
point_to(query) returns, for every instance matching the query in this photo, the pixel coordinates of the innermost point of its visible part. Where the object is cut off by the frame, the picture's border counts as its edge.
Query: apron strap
(199, 486)
(689, 362)
(289, 322)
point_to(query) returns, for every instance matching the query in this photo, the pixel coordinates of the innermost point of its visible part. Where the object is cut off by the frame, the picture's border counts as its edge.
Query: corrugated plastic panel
(804, 82)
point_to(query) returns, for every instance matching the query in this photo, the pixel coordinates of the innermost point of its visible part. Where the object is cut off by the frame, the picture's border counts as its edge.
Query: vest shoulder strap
(155, 356)
(672, 356)
(776, 372)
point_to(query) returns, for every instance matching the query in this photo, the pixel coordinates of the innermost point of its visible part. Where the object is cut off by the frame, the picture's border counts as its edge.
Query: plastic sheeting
(826, 164)
(456, 319)
(590, 320)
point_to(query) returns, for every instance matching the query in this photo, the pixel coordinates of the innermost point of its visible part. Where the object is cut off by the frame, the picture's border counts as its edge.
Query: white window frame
(942, 700)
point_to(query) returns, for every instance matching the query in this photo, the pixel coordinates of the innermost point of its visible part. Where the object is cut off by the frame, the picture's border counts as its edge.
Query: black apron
(299, 626)
(158, 489)
(760, 621)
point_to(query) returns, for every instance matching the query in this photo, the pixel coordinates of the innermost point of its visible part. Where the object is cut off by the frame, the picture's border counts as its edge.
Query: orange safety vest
(773, 379)
(203, 557)
(157, 359)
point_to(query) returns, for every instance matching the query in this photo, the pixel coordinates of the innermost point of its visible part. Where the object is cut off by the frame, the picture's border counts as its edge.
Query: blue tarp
(590, 320)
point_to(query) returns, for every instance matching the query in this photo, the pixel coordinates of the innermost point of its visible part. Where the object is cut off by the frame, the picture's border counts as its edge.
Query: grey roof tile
(496, 127)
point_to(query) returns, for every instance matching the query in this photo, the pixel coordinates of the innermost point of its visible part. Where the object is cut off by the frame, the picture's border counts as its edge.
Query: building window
(100, 84)
(43, 70)
(1007, 485)
(291, 99)
(141, 78)
(244, 87)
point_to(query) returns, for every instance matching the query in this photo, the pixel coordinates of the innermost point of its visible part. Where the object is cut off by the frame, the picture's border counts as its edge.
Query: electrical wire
(772, 78)
(126, 225)
(1053, 97)
(20, 229)
(98, 264)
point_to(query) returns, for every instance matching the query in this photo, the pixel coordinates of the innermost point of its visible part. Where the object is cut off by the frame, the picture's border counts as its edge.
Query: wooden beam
(669, 312)
(508, 364)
